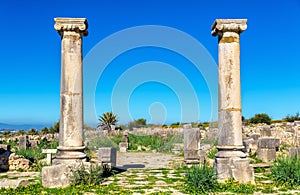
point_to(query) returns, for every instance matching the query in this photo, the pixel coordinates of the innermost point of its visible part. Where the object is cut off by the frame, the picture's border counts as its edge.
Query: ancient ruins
(230, 161)
(71, 146)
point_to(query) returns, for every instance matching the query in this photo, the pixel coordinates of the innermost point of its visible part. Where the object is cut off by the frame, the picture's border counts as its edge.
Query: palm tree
(107, 119)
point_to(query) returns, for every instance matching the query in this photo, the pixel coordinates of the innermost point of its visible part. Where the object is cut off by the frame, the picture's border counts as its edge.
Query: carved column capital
(78, 25)
(221, 26)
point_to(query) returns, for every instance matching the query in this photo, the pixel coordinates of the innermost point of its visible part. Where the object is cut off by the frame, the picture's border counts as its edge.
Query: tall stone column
(230, 143)
(71, 146)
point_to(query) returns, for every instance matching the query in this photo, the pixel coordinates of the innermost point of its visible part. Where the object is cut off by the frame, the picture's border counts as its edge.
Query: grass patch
(200, 178)
(286, 171)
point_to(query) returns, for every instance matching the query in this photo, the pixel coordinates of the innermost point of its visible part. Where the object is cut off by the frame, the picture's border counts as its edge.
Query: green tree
(54, 128)
(44, 130)
(106, 120)
(33, 131)
(292, 118)
(260, 118)
(141, 122)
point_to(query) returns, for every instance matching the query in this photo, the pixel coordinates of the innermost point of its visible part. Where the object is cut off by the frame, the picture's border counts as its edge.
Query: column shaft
(71, 146)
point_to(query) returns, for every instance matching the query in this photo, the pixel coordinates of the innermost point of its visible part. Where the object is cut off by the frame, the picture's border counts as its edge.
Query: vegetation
(54, 128)
(104, 141)
(212, 153)
(260, 118)
(292, 118)
(201, 178)
(175, 125)
(35, 153)
(106, 120)
(87, 176)
(141, 122)
(286, 171)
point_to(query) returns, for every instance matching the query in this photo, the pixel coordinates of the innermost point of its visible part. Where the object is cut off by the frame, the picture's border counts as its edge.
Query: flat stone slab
(13, 179)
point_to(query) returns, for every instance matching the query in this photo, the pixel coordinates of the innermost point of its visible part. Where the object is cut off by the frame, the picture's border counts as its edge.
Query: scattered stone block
(24, 142)
(266, 131)
(49, 153)
(294, 151)
(268, 142)
(297, 123)
(191, 145)
(249, 145)
(34, 143)
(255, 136)
(123, 146)
(17, 162)
(266, 154)
(108, 155)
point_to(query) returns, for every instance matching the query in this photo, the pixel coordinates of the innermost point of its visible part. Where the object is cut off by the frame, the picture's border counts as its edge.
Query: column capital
(78, 25)
(228, 25)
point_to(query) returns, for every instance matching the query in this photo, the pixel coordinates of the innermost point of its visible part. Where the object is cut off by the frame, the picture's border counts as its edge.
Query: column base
(230, 151)
(57, 176)
(69, 155)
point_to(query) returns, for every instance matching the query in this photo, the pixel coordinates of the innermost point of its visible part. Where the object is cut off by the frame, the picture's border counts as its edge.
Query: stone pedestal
(267, 147)
(230, 142)
(108, 155)
(71, 146)
(191, 145)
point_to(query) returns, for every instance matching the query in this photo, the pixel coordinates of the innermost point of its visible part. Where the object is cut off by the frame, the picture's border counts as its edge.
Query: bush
(292, 118)
(260, 118)
(154, 141)
(86, 176)
(100, 142)
(212, 153)
(286, 171)
(201, 178)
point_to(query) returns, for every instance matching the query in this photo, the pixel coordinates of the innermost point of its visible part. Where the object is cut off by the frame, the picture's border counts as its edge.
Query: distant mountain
(4, 126)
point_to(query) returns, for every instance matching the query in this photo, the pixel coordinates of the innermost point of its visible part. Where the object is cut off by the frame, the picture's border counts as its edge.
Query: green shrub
(286, 171)
(87, 176)
(100, 142)
(292, 118)
(234, 186)
(117, 139)
(154, 141)
(36, 153)
(201, 178)
(260, 118)
(212, 153)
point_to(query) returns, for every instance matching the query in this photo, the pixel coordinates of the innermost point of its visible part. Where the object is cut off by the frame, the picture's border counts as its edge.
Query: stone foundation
(237, 168)
(59, 175)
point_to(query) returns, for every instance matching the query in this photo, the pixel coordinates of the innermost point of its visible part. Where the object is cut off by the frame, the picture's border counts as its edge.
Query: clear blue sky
(30, 59)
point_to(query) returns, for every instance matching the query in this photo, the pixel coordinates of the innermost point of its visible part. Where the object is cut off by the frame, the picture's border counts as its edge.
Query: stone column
(71, 146)
(230, 143)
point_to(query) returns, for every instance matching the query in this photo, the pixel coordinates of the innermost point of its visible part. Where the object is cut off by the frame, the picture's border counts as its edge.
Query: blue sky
(30, 59)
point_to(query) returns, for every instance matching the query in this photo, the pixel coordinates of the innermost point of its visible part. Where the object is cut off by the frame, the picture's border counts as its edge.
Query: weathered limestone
(124, 144)
(24, 142)
(191, 139)
(267, 147)
(71, 146)
(108, 155)
(49, 153)
(59, 175)
(230, 142)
